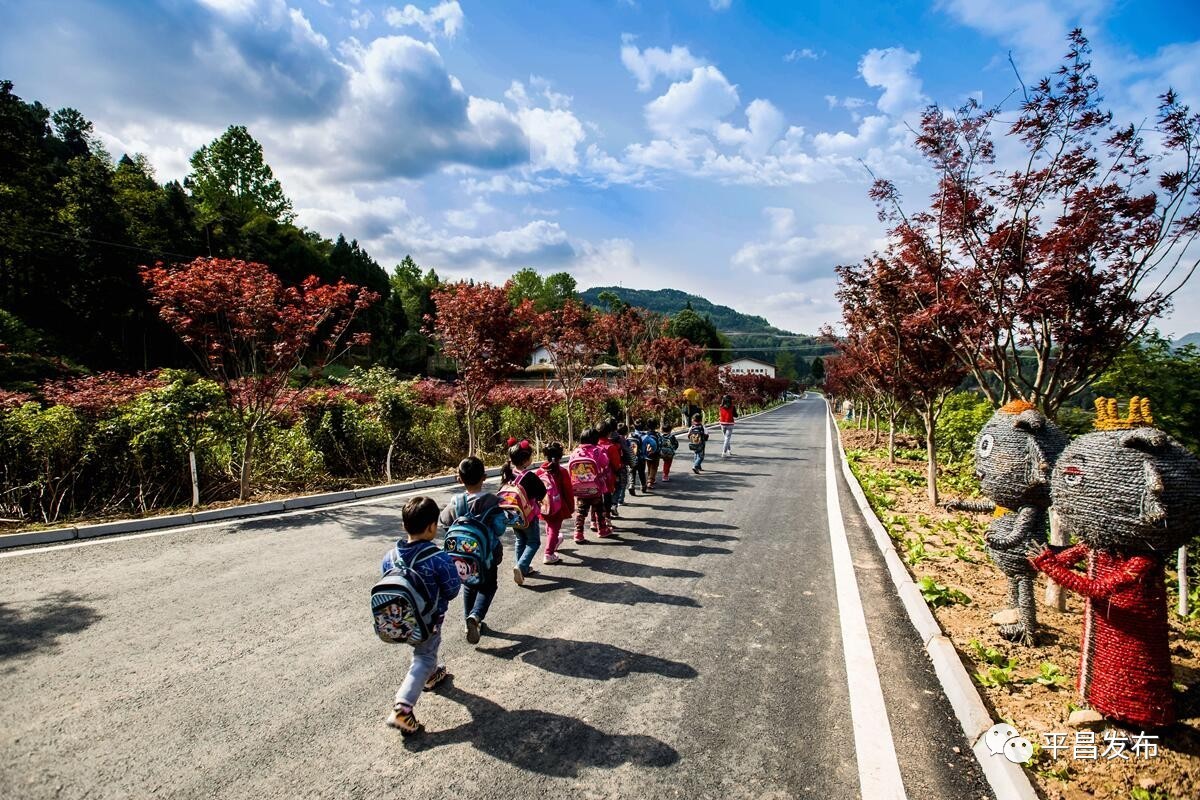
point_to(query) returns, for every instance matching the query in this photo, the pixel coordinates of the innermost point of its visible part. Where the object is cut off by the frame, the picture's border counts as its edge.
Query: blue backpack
(652, 443)
(402, 604)
(468, 541)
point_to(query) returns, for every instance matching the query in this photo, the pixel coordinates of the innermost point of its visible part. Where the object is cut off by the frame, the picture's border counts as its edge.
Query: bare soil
(953, 555)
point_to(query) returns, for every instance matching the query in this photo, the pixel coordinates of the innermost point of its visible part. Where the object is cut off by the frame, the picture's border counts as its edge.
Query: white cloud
(361, 19)
(470, 217)
(445, 18)
(405, 115)
(1037, 29)
(765, 124)
(695, 104)
(803, 258)
(719, 5)
(508, 184)
(872, 131)
(803, 53)
(892, 70)
(648, 64)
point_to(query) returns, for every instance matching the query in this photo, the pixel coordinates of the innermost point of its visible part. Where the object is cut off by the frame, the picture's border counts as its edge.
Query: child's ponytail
(519, 455)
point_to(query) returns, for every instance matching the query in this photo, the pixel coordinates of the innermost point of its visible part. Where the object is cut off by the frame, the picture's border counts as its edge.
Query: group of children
(421, 579)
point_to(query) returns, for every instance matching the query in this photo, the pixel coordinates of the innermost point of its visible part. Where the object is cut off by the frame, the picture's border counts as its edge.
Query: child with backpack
(697, 437)
(559, 504)
(652, 445)
(416, 573)
(588, 467)
(621, 437)
(728, 417)
(612, 449)
(473, 525)
(638, 469)
(670, 446)
(521, 493)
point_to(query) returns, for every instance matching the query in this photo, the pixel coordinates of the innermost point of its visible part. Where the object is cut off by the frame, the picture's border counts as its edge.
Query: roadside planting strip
(1008, 780)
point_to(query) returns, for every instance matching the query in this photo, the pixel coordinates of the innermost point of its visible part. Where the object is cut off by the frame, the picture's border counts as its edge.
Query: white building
(749, 366)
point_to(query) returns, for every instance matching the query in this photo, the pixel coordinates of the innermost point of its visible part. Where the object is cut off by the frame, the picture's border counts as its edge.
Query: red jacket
(613, 449)
(727, 416)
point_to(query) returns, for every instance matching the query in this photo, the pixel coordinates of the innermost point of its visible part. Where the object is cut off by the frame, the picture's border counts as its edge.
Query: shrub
(962, 417)
(42, 451)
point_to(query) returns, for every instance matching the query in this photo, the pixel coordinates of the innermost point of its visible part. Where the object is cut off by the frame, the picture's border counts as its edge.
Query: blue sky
(715, 146)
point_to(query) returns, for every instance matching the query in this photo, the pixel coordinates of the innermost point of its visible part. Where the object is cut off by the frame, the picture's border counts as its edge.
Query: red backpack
(552, 503)
(516, 502)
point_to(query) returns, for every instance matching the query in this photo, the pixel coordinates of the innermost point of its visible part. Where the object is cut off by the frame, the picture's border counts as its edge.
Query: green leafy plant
(938, 595)
(914, 551)
(962, 553)
(1049, 675)
(997, 666)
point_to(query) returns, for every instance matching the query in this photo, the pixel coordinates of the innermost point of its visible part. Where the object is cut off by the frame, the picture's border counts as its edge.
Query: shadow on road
(625, 569)
(667, 530)
(626, 593)
(40, 627)
(540, 741)
(667, 549)
(596, 661)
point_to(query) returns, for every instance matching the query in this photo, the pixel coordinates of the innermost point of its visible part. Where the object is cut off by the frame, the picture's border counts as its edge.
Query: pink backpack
(586, 478)
(552, 503)
(516, 502)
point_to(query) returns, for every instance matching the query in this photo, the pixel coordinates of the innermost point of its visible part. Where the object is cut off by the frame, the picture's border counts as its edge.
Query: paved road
(699, 655)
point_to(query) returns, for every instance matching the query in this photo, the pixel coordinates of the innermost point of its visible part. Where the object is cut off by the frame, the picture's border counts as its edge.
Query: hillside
(749, 335)
(672, 301)
(1192, 339)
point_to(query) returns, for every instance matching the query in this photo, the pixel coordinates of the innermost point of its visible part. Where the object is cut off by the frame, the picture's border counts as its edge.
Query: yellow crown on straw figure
(1138, 416)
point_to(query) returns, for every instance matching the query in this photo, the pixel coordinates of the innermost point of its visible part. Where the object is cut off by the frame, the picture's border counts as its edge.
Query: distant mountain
(750, 335)
(1192, 339)
(672, 301)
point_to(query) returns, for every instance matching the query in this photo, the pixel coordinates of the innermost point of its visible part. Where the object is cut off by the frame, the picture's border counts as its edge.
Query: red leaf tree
(485, 336)
(1050, 268)
(575, 345)
(627, 332)
(250, 332)
(670, 362)
(892, 320)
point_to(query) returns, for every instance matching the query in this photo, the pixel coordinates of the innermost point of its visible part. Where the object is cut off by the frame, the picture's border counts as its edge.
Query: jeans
(728, 431)
(622, 485)
(698, 459)
(424, 662)
(528, 542)
(478, 599)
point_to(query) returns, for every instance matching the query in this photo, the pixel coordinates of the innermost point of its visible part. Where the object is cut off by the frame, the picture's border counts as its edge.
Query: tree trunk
(570, 425)
(244, 482)
(891, 439)
(875, 440)
(387, 464)
(195, 478)
(1184, 587)
(470, 432)
(1056, 598)
(930, 457)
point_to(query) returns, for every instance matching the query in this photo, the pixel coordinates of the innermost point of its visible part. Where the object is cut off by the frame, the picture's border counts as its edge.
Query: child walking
(639, 458)
(437, 571)
(612, 449)
(484, 508)
(591, 503)
(553, 470)
(528, 539)
(621, 437)
(728, 417)
(652, 444)
(697, 437)
(670, 446)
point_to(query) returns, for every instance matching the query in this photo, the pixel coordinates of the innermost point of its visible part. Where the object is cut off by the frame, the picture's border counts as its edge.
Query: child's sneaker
(551, 559)
(472, 629)
(666, 480)
(440, 674)
(518, 576)
(403, 720)
(579, 539)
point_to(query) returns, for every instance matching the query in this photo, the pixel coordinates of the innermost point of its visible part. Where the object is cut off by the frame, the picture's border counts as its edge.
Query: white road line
(878, 767)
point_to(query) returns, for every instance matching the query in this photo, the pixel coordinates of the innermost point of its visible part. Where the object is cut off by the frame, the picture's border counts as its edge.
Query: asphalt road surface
(698, 655)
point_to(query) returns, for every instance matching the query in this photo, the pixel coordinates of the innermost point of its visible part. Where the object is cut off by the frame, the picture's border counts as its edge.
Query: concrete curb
(1008, 780)
(219, 514)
